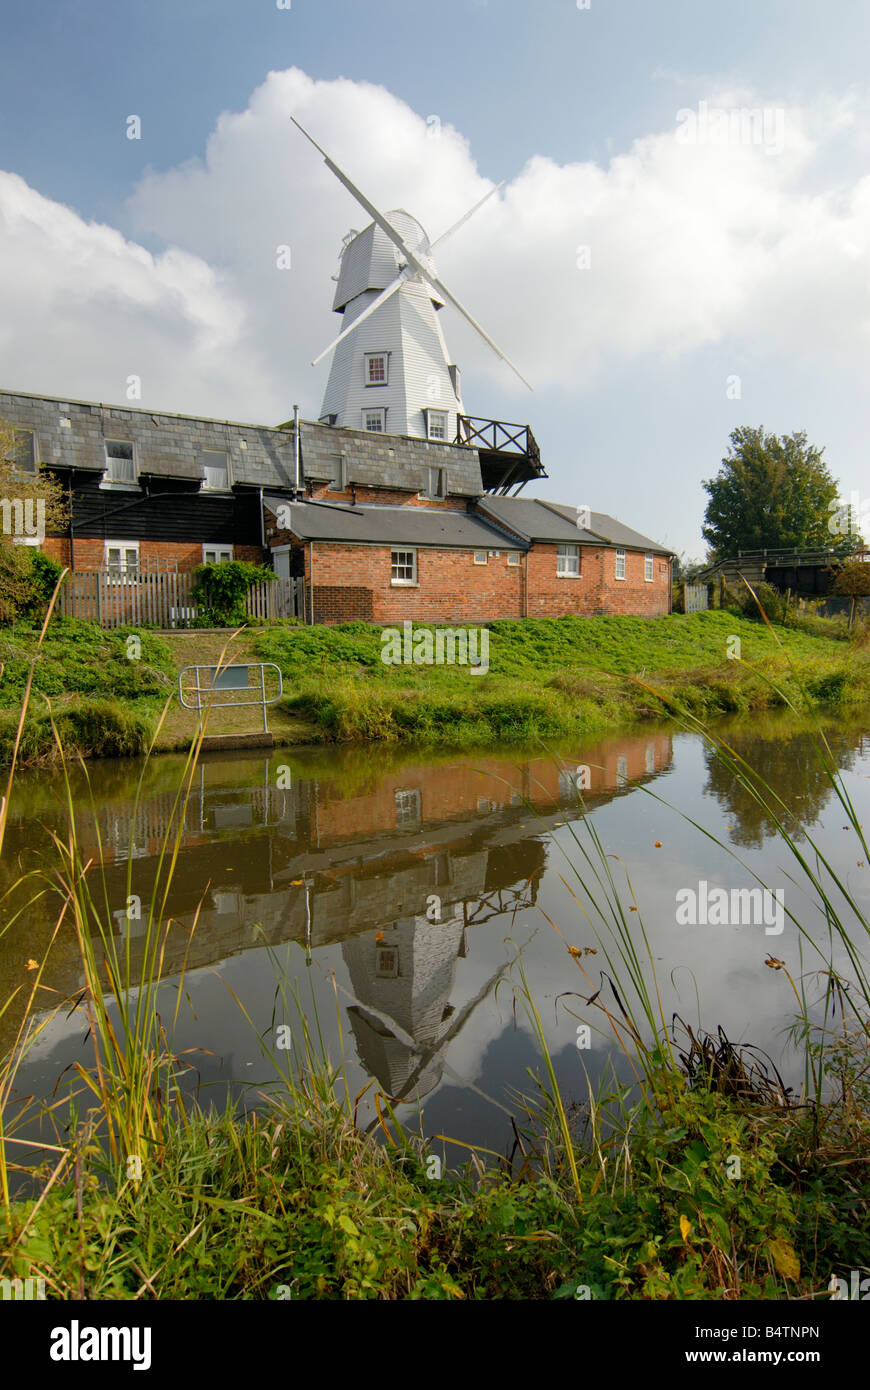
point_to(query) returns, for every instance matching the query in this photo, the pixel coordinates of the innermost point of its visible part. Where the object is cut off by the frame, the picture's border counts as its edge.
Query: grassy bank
(105, 691)
(566, 676)
(547, 678)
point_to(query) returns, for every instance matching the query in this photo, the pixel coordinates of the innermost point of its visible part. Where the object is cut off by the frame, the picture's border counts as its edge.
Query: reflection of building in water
(321, 863)
(403, 979)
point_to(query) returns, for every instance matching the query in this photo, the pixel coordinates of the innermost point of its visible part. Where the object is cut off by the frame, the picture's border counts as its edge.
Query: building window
(375, 421)
(338, 481)
(480, 557)
(650, 757)
(377, 368)
(122, 559)
(120, 464)
(386, 963)
(24, 453)
(217, 554)
(408, 808)
(513, 557)
(621, 771)
(619, 572)
(435, 483)
(404, 567)
(217, 471)
(568, 561)
(436, 424)
(648, 565)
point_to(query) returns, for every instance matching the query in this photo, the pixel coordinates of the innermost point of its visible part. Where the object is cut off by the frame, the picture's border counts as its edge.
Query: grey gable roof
(376, 525)
(550, 521)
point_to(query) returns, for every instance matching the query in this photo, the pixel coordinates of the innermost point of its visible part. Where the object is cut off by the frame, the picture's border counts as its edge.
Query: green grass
(106, 694)
(560, 676)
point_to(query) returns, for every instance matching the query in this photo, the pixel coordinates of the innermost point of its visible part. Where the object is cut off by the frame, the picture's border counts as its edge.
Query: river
(394, 890)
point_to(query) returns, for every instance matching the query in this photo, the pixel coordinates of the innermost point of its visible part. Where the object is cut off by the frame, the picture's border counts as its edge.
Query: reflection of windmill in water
(403, 978)
(390, 371)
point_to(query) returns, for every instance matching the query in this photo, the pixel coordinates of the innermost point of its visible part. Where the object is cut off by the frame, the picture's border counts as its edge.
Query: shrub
(221, 589)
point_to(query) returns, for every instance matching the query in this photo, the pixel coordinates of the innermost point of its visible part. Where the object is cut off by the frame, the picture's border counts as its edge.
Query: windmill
(390, 370)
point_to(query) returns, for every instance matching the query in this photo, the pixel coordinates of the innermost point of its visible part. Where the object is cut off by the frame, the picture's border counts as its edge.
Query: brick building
(380, 527)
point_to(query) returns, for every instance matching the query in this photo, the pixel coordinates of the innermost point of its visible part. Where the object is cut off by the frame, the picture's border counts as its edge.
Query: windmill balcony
(509, 454)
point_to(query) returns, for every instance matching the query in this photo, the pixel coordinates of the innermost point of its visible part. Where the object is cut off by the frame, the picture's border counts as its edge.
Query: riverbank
(545, 679)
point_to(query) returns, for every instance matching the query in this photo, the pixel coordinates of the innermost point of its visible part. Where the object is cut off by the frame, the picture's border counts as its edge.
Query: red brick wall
(597, 590)
(90, 554)
(451, 587)
(387, 497)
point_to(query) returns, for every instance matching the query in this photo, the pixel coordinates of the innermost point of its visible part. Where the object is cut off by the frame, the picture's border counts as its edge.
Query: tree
(852, 581)
(32, 504)
(771, 493)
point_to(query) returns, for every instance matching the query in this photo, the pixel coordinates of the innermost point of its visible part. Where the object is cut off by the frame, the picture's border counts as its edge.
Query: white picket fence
(165, 600)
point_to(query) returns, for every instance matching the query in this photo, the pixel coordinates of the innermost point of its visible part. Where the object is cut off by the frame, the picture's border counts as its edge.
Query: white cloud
(690, 245)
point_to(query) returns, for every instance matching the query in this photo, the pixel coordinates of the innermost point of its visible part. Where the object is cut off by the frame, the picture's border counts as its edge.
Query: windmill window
(375, 421)
(377, 368)
(120, 464)
(648, 566)
(619, 572)
(436, 424)
(386, 963)
(217, 471)
(404, 567)
(568, 561)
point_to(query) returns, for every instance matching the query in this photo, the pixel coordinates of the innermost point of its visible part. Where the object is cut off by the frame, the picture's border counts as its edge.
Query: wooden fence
(165, 600)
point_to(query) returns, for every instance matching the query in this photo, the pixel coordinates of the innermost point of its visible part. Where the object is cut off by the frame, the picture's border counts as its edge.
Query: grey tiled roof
(391, 525)
(551, 521)
(171, 446)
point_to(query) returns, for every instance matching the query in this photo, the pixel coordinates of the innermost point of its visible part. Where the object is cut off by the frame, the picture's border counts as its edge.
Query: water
(395, 890)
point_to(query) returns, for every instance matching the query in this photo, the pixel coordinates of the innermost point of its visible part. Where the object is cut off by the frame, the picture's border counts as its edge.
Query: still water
(396, 889)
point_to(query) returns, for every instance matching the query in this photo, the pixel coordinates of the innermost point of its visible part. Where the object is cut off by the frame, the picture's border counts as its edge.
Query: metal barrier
(230, 678)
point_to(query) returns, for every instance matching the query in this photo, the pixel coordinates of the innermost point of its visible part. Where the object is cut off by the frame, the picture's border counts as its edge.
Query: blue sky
(124, 256)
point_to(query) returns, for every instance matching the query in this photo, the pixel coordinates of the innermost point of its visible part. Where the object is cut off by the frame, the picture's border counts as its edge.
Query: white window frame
(369, 358)
(513, 558)
(409, 808)
(649, 568)
(226, 554)
(205, 485)
(411, 583)
(108, 480)
(375, 410)
(564, 553)
(122, 573)
(619, 560)
(31, 468)
(443, 415)
(480, 557)
(436, 489)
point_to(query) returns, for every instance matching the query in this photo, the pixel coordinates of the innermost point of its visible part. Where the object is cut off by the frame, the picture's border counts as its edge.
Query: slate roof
(376, 525)
(536, 520)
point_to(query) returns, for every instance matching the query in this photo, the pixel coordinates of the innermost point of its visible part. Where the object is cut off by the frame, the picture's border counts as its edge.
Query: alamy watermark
(442, 646)
(23, 517)
(29, 1290)
(736, 125)
(741, 907)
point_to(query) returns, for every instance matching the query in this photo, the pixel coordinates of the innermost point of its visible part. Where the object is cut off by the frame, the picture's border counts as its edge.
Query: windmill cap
(371, 261)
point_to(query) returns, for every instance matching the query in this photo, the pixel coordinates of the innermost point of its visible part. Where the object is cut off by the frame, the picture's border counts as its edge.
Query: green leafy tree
(771, 493)
(852, 581)
(29, 497)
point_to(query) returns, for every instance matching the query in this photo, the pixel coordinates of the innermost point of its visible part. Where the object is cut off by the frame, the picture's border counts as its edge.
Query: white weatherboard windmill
(390, 371)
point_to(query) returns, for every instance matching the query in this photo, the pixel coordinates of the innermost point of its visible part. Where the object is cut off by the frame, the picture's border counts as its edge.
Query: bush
(221, 589)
